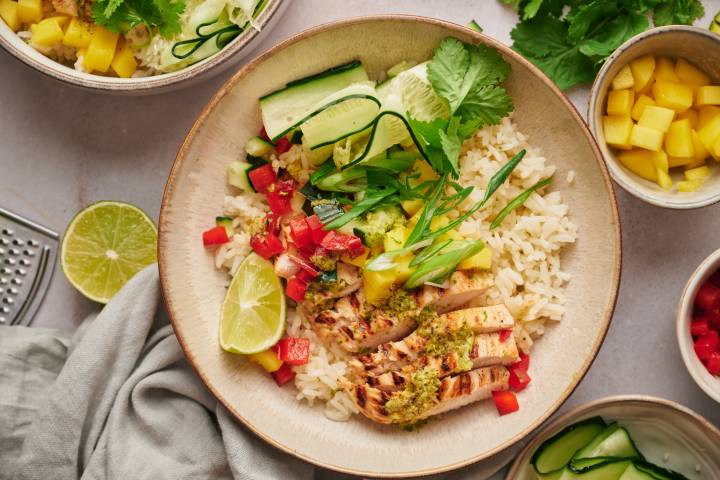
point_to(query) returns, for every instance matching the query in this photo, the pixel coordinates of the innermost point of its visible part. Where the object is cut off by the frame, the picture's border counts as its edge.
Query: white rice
(526, 253)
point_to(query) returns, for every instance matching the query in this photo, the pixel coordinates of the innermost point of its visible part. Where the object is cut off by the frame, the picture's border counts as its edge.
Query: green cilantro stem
(517, 201)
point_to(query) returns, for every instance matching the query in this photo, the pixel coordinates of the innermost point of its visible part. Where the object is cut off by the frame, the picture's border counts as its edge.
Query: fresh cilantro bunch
(570, 39)
(123, 15)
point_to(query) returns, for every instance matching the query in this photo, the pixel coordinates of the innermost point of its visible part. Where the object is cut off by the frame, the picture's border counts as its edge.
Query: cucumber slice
(614, 441)
(656, 472)
(257, 147)
(398, 68)
(227, 223)
(317, 156)
(555, 452)
(416, 93)
(633, 473)
(237, 176)
(286, 108)
(609, 470)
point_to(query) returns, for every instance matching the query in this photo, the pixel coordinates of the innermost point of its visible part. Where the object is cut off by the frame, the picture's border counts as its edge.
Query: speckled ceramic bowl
(697, 45)
(235, 51)
(709, 383)
(194, 289)
(667, 433)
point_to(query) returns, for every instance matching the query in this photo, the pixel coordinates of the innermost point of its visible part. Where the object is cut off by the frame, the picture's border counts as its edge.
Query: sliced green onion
(473, 25)
(444, 264)
(517, 201)
(371, 199)
(325, 169)
(385, 261)
(429, 252)
(352, 180)
(428, 212)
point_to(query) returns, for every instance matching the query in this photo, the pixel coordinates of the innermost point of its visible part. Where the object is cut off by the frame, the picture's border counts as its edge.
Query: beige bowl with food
(230, 55)
(696, 45)
(194, 289)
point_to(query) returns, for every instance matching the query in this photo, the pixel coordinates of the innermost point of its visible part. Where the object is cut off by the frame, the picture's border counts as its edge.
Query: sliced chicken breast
(463, 287)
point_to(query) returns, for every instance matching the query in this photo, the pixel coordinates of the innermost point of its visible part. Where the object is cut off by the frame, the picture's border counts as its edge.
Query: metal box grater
(27, 259)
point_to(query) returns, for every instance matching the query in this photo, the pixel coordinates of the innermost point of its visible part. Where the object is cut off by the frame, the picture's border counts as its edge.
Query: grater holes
(13, 291)
(21, 271)
(4, 241)
(4, 310)
(24, 262)
(14, 281)
(18, 242)
(7, 231)
(33, 243)
(29, 253)
(2, 320)
(10, 261)
(8, 301)
(3, 281)
(14, 251)
(5, 270)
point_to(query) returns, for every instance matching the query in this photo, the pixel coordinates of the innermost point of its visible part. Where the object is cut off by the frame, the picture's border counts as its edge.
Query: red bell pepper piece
(316, 228)
(296, 289)
(215, 236)
(300, 232)
(522, 364)
(519, 379)
(283, 375)
(283, 145)
(708, 297)
(279, 203)
(306, 266)
(712, 363)
(272, 223)
(262, 177)
(293, 350)
(699, 326)
(339, 242)
(505, 402)
(304, 277)
(505, 334)
(706, 345)
(266, 245)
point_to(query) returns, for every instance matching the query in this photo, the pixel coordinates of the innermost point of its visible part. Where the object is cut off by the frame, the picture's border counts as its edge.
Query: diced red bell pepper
(712, 363)
(706, 345)
(505, 402)
(283, 145)
(316, 228)
(263, 134)
(519, 379)
(215, 236)
(262, 177)
(304, 277)
(293, 350)
(505, 334)
(300, 232)
(272, 223)
(708, 297)
(339, 242)
(279, 203)
(266, 245)
(283, 375)
(296, 289)
(306, 266)
(522, 364)
(699, 326)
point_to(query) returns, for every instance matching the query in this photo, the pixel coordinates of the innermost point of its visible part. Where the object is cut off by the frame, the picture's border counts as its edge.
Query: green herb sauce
(418, 397)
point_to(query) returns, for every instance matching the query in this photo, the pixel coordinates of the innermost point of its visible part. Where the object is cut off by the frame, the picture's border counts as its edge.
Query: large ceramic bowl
(235, 51)
(194, 290)
(667, 433)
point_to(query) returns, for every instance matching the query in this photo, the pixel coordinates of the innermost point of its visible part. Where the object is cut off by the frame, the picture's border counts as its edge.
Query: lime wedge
(105, 245)
(253, 313)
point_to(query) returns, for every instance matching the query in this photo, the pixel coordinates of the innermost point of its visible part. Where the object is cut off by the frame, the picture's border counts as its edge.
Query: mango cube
(715, 152)
(30, 11)
(663, 179)
(101, 49)
(689, 185)
(640, 162)
(645, 137)
(705, 114)
(642, 69)
(658, 118)
(78, 34)
(701, 152)
(378, 285)
(691, 114)
(617, 130)
(665, 70)
(680, 162)
(689, 73)
(620, 102)
(708, 95)
(699, 173)
(47, 32)
(624, 79)
(660, 160)
(10, 15)
(679, 140)
(481, 260)
(639, 107)
(709, 133)
(124, 63)
(673, 95)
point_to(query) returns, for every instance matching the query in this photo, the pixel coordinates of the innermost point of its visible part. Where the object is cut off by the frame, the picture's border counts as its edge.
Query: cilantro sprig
(122, 16)
(570, 39)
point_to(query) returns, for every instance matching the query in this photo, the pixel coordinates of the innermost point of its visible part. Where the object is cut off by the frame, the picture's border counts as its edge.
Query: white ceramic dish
(235, 51)
(696, 45)
(709, 383)
(668, 434)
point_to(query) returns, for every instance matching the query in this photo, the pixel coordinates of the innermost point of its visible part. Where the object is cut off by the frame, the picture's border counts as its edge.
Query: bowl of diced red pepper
(698, 325)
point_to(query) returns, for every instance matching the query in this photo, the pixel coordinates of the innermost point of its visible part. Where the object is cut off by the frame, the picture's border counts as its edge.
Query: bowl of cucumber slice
(623, 438)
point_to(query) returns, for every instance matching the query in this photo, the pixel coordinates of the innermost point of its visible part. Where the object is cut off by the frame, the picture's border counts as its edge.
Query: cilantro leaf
(616, 32)
(489, 103)
(451, 146)
(124, 15)
(428, 131)
(673, 12)
(594, 14)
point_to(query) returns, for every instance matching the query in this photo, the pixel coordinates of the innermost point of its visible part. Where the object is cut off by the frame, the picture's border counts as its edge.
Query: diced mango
(101, 50)
(47, 32)
(665, 70)
(481, 260)
(124, 63)
(663, 179)
(679, 140)
(411, 207)
(623, 79)
(78, 34)
(689, 185)
(705, 114)
(640, 162)
(402, 269)
(673, 95)
(645, 137)
(660, 160)
(679, 161)
(620, 102)
(691, 114)
(9, 13)
(701, 152)
(699, 173)
(358, 261)
(710, 132)
(715, 152)
(30, 11)
(658, 118)
(694, 164)
(267, 359)
(708, 95)
(689, 73)
(617, 131)
(378, 285)
(643, 69)
(639, 107)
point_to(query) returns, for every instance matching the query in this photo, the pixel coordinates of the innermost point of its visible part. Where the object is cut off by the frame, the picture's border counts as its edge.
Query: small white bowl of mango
(655, 112)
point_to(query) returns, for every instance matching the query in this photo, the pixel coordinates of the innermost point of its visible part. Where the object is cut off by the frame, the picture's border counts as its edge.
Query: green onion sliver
(428, 253)
(385, 261)
(444, 264)
(517, 201)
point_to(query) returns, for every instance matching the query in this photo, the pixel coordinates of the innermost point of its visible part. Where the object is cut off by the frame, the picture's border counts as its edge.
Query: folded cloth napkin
(118, 400)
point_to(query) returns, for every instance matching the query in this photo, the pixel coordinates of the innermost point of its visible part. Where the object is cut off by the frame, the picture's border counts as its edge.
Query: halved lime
(253, 313)
(105, 245)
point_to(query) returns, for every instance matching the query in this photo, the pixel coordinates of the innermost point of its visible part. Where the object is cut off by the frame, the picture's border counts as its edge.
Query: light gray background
(62, 148)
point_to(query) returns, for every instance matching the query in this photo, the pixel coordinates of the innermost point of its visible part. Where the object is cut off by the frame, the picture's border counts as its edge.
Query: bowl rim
(566, 418)
(479, 38)
(613, 164)
(57, 71)
(683, 317)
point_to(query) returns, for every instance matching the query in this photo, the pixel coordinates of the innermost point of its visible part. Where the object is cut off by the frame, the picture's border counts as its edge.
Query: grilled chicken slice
(392, 356)
(67, 7)
(348, 280)
(454, 392)
(464, 286)
(487, 350)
